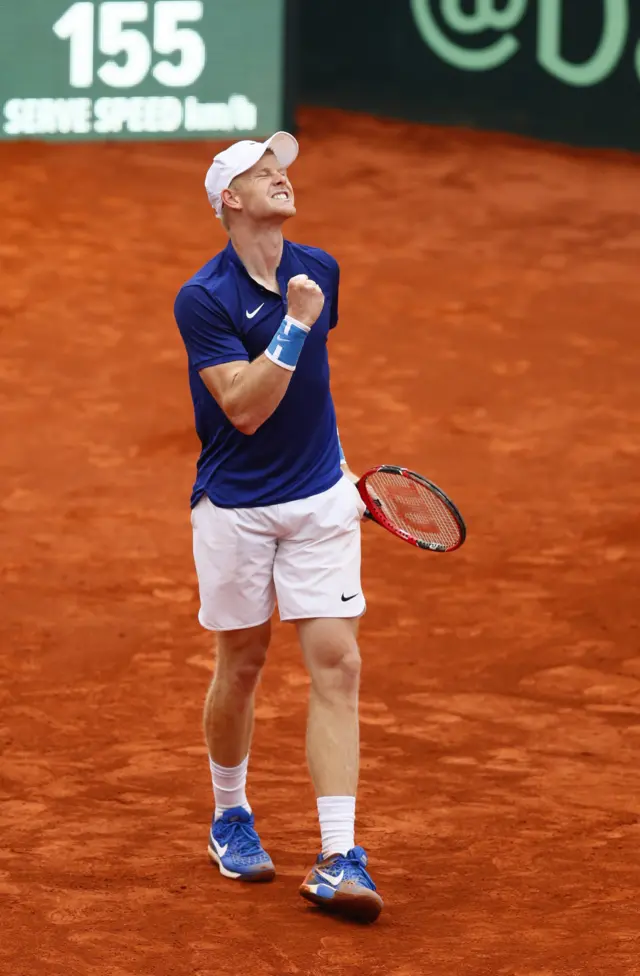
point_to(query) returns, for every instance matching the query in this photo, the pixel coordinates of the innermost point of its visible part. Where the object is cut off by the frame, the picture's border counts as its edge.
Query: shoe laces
(243, 837)
(354, 869)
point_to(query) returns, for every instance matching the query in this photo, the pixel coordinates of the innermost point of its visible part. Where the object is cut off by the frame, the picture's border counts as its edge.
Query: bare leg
(228, 710)
(340, 883)
(331, 654)
(228, 725)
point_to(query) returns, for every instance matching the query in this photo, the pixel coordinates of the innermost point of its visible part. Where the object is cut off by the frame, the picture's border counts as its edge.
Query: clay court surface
(488, 338)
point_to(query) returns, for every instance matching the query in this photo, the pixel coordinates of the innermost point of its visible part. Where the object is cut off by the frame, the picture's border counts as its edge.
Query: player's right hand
(304, 299)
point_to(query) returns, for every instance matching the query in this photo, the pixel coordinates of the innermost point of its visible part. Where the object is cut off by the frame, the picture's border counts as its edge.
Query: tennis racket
(412, 508)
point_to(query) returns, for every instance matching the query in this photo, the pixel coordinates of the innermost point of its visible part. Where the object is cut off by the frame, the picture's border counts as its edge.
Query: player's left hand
(348, 473)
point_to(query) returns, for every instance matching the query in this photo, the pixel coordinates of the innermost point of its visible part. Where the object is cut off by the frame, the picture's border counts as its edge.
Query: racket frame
(380, 517)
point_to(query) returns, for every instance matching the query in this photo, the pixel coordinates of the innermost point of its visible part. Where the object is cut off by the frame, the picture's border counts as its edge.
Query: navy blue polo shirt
(225, 316)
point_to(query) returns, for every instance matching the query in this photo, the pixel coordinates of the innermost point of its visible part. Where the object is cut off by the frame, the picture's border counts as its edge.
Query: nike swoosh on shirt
(221, 851)
(345, 599)
(333, 879)
(250, 315)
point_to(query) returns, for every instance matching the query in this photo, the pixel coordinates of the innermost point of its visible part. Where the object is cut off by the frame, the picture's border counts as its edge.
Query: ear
(231, 199)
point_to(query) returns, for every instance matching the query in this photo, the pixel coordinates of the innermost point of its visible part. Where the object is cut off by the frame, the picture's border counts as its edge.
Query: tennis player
(275, 512)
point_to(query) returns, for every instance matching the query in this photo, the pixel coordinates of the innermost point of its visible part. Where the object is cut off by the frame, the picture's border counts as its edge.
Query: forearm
(257, 389)
(255, 393)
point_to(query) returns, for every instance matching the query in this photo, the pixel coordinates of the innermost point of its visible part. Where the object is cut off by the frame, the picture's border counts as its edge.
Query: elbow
(243, 422)
(243, 419)
(245, 426)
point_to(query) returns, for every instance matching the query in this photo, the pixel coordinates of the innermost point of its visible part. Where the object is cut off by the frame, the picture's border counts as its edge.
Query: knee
(335, 670)
(240, 659)
(246, 675)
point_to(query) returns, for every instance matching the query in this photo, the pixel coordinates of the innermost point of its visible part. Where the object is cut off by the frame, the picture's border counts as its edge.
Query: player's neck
(260, 250)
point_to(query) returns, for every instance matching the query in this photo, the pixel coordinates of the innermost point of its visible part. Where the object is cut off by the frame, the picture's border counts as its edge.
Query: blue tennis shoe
(236, 848)
(341, 884)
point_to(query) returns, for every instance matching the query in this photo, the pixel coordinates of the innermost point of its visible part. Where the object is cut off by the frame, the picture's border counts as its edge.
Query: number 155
(77, 25)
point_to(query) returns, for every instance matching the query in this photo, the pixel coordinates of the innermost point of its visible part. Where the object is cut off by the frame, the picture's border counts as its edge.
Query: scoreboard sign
(141, 69)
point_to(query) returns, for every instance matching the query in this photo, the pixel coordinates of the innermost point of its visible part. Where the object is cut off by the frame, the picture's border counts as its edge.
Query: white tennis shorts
(304, 554)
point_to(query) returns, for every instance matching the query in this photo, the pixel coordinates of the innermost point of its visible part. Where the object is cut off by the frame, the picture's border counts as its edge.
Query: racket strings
(414, 508)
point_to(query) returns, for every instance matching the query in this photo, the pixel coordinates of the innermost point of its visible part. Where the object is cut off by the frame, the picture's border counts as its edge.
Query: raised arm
(248, 393)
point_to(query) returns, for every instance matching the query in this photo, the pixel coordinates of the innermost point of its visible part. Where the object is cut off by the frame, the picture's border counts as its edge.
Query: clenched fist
(304, 299)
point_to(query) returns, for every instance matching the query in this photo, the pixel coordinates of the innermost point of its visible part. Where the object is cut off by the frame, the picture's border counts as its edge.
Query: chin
(285, 211)
(281, 208)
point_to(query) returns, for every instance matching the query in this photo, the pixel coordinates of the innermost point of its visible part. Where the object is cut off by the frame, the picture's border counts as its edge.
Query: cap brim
(285, 146)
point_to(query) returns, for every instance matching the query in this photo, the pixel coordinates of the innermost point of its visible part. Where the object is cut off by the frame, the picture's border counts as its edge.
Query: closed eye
(261, 174)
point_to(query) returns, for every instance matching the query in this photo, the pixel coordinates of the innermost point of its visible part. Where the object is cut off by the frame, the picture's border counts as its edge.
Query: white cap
(240, 157)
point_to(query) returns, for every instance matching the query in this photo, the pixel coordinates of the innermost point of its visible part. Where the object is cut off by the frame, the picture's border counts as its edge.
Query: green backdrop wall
(566, 70)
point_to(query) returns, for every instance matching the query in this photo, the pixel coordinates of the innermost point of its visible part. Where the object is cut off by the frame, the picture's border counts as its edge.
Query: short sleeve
(207, 332)
(333, 321)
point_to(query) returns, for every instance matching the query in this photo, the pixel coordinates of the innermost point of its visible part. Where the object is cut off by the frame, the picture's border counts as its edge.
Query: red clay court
(488, 338)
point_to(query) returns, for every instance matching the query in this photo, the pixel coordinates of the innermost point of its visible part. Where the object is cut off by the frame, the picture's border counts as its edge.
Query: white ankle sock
(229, 786)
(337, 816)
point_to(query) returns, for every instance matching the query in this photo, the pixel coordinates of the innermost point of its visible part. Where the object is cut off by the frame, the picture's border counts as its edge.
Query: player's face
(265, 190)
